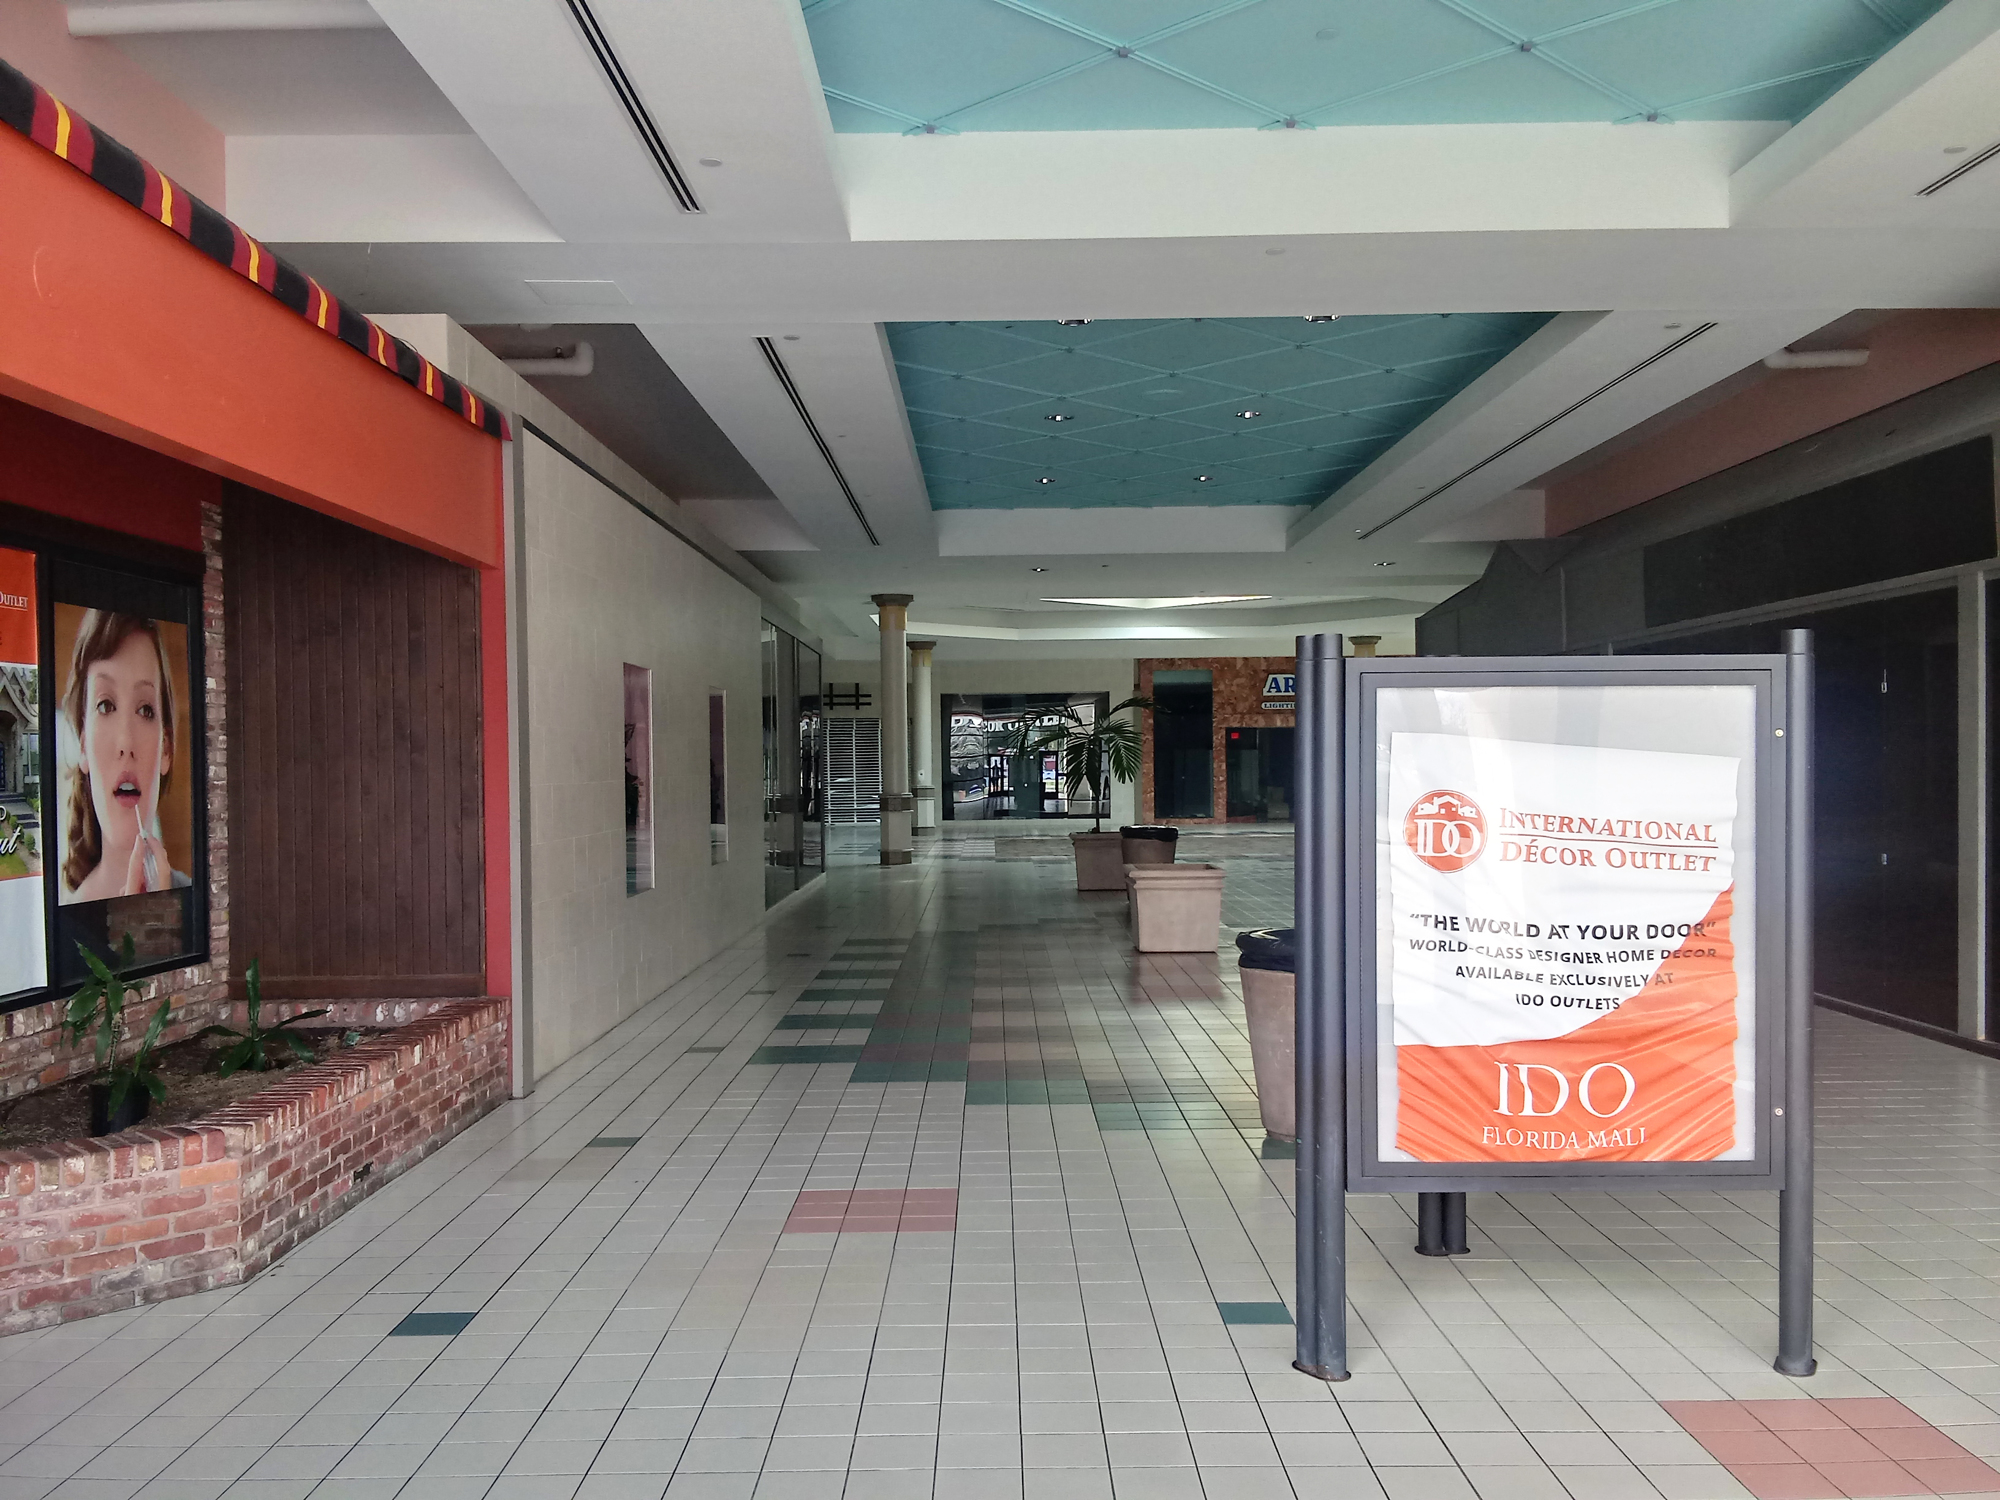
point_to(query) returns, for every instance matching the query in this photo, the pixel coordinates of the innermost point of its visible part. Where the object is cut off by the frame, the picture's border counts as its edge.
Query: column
(923, 738)
(893, 615)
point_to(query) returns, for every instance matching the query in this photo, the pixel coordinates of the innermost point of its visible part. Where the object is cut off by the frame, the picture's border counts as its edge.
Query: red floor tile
(1955, 1476)
(1712, 1416)
(873, 1211)
(1873, 1411)
(1749, 1448)
(1873, 1479)
(1785, 1482)
(1788, 1416)
(1852, 1448)
(1832, 1445)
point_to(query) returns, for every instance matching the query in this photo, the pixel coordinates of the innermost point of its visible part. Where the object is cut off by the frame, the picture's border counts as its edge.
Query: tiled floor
(1082, 1292)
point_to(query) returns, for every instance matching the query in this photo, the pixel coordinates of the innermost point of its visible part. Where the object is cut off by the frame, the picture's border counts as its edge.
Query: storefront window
(1183, 757)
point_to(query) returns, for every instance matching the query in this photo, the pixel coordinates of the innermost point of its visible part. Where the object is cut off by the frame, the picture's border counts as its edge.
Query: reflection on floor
(932, 1188)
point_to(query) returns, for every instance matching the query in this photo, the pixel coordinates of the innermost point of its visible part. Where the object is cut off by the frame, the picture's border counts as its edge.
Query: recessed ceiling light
(709, 161)
(791, 338)
(1247, 413)
(1176, 601)
(1953, 150)
(1670, 327)
(1038, 570)
(1058, 416)
(1046, 479)
(1321, 317)
(1274, 250)
(1203, 478)
(1325, 34)
(1071, 322)
(1385, 565)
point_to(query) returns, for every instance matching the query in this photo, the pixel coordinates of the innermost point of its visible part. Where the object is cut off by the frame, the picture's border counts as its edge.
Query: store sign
(1562, 976)
(1281, 685)
(23, 940)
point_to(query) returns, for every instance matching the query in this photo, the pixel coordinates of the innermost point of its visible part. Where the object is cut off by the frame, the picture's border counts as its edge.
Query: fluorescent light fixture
(1181, 601)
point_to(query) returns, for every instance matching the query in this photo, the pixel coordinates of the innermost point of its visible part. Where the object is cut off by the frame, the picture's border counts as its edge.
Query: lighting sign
(1281, 685)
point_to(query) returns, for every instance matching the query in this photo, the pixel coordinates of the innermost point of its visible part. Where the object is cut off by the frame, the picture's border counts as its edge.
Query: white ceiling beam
(730, 84)
(846, 380)
(300, 189)
(1364, 179)
(1581, 379)
(168, 17)
(1863, 157)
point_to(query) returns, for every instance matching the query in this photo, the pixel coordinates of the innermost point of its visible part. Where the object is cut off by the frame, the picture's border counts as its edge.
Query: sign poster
(23, 940)
(1564, 957)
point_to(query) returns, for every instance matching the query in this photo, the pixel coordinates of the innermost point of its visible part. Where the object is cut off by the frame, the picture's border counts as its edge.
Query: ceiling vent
(1541, 427)
(1971, 163)
(635, 107)
(792, 395)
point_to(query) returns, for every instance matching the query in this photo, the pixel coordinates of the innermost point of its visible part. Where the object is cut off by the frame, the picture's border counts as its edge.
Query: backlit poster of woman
(122, 792)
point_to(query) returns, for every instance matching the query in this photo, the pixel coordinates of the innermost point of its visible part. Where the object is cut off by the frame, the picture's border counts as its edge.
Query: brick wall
(33, 1054)
(95, 1225)
(1239, 700)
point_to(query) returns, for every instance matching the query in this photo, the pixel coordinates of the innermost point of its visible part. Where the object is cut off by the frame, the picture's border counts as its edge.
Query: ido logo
(1446, 830)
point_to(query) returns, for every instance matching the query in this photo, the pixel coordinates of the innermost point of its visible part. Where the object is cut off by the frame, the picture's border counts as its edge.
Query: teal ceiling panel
(964, 65)
(1153, 412)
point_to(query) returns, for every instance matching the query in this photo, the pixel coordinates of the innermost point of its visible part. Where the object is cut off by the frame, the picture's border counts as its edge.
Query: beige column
(923, 738)
(1364, 645)
(893, 614)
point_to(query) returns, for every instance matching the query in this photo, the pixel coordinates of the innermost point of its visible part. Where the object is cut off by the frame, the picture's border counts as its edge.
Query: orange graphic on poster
(1652, 1081)
(19, 641)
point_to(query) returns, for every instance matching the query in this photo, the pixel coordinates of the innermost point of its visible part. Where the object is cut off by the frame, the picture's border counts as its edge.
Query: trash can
(1175, 908)
(1149, 843)
(1268, 961)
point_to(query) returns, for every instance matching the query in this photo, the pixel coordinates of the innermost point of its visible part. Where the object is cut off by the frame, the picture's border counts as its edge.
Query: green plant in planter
(1091, 753)
(97, 1012)
(254, 1046)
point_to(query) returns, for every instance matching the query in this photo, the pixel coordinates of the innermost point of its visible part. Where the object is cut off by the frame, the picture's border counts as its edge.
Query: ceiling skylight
(1178, 601)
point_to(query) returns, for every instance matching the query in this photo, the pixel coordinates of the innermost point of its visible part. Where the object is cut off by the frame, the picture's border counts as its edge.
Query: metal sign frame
(1367, 1172)
(1337, 971)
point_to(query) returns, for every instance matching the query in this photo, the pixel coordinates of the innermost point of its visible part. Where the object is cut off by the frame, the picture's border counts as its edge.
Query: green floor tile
(846, 1052)
(825, 1021)
(1235, 1313)
(431, 1324)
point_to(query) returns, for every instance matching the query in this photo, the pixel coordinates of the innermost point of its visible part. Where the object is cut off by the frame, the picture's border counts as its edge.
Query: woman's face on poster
(124, 740)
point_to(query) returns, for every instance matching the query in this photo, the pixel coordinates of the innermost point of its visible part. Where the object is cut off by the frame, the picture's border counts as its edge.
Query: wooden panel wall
(354, 759)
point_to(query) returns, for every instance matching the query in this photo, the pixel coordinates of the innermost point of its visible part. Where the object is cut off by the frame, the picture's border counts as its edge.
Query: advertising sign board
(23, 956)
(1554, 934)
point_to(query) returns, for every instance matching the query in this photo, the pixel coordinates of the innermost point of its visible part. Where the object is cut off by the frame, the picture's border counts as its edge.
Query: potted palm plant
(1091, 753)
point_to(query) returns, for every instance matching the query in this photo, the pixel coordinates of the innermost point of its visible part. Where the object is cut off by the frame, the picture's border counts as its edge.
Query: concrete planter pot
(1175, 908)
(1100, 861)
(1270, 1006)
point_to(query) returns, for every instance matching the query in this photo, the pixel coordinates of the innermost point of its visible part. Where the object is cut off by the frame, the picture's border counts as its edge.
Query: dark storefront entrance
(1886, 865)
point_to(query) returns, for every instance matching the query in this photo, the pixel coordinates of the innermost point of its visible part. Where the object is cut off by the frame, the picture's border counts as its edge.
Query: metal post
(1320, 915)
(1795, 1201)
(1441, 1224)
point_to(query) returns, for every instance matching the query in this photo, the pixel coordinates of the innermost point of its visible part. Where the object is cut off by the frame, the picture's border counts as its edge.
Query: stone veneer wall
(92, 1226)
(1239, 696)
(32, 1052)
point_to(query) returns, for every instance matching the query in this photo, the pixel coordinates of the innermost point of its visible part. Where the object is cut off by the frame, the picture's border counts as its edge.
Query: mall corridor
(931, 1187)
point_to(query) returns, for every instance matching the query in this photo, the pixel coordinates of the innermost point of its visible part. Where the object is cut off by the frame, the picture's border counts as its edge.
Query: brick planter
(94, 1225)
